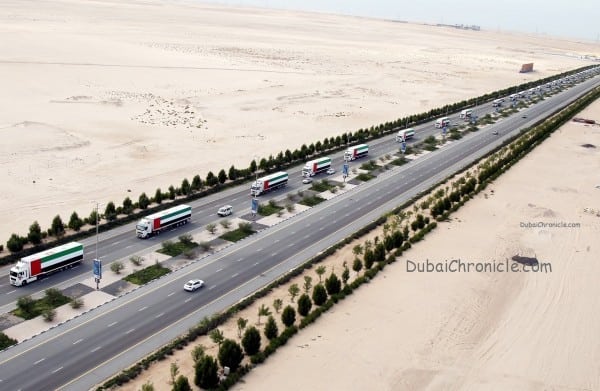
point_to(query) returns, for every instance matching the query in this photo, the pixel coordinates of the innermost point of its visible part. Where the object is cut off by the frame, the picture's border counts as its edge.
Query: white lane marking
(76, 342)
(13, 291)
(188, 300)
(256, 263)
(39, 361)
(112, 324)
(306, 236)
(321, 229)
(241, 259)
(143, 308)
(276, 241)
(95, 349)
(212, 287)
(57, 369)
(293, 232)
(273, 254)
(218, 270)
(290, 245)
(159, 315)
(130, 331)
(235, 275)
(170, 294)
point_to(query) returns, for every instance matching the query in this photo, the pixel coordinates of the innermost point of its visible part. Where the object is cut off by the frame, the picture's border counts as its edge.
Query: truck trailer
(356, 152)
(36, 266)
(268, 183)
(316, 166)
(157, 222)
(405, 134)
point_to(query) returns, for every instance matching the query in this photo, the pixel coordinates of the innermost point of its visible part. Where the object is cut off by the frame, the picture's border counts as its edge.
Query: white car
(330, 171)
(495, 132)
(225, 210)
(193, 285)
(307, 180)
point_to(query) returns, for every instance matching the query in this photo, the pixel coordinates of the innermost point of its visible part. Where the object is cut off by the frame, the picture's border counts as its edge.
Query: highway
(92, 347)
(121, 242)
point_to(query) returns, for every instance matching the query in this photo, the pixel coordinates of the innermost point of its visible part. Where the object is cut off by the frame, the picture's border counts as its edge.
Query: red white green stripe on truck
(274, 179)
(58, 254)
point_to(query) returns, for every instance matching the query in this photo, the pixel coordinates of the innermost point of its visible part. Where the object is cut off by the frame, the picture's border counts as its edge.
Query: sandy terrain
(108, 96)
(440, 331)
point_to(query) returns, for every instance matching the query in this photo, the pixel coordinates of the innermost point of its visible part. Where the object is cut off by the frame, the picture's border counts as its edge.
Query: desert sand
(493, 330)
(108, 99)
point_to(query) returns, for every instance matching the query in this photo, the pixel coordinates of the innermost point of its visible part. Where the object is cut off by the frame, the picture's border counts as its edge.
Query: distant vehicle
(497, 103)
(193, 285)
(356, 152)
(514, 97)
(524, 116)
(268, 183)
(316, 166)
(35, 266)
(441, 122)
(157, 222)
(307, 180)
(495, 132)
(330, 171)
(225, 210)
(466, 113)
(405, 134)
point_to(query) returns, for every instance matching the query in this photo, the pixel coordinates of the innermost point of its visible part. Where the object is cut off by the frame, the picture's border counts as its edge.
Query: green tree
(158, 196)
(182, 384)
(211, 227)
(304, 304)
(116, 267)
(206, 372)
(196, 183)
(346, 276)
(288, 316)
(186, 188)
(230, 354)
(251, 341)
(75, 222)
(174, 370)
(293, 290)
(277, 304)
(148, 386)
(26, 306)
(143, 201)
(232, 173)
(211, 180)
(379, 252)
(320, 271)
(217, 336)
(319, 295)
(15, 243)
(93, 218)
(369, 258)
(127, 206)
(271, 331)
(263, 310)
(357, 250)
(307, 284)
(35, 233)
(172, 192)
(241, 325)
(333, 284)
(197, 353)
(57, 227)
(6, 341)
(253, 166)
(49, 314)
(110, 212)
(222, 176)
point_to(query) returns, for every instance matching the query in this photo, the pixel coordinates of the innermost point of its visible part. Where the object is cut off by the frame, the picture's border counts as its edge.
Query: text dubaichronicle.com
(459, 266)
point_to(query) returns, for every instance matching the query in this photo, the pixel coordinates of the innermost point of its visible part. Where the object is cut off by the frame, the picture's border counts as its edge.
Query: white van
(496, 102)
(441, 122)
(225, 210)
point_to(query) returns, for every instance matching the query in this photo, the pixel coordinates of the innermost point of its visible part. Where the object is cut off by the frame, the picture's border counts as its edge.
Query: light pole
(97, 264)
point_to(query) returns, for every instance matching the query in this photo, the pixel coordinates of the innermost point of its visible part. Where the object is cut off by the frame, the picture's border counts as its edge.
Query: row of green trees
(197, 186)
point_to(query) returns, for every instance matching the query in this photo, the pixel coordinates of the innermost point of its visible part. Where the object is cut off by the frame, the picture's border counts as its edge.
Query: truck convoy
(405, 134)
(157, 222)
(356, 152)
(36, 266)
(316, 166)
(268, 183)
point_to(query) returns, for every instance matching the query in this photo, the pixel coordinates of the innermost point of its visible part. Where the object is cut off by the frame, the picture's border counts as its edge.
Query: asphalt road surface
(92, 347)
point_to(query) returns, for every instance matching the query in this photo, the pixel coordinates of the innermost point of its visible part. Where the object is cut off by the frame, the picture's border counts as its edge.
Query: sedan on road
(330, 171)
(307, 180)
(193, 285)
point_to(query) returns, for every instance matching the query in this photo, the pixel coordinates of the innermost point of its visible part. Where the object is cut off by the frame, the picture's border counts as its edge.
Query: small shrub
(116, 267)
